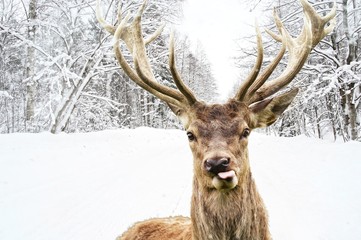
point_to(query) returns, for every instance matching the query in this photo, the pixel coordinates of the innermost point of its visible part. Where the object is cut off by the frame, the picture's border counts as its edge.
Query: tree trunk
(348, 104)
(67, 106)
(29, 70)
(317, 121)
(331, 116)
(352, 115)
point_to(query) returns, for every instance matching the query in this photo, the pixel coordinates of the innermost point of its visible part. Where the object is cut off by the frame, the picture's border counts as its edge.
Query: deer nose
(217, 165)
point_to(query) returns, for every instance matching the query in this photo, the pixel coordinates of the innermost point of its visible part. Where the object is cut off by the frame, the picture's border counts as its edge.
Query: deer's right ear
(267, 111)
(181, 114)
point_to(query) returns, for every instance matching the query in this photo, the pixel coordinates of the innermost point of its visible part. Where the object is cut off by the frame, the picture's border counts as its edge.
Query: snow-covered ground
(93, 186)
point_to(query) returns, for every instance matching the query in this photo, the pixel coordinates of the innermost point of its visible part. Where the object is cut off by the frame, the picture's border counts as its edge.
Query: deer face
(218, 137)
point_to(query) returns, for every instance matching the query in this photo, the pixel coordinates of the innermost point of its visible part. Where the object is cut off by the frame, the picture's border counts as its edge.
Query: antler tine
(280, 27)
(145, 76)
(261, 79)
(131, 34)
(299, 48)
(319, 22)
(177, 79)
(162, 92)
(108, 27)
(156, 34)
(330, 17)
(255, 70)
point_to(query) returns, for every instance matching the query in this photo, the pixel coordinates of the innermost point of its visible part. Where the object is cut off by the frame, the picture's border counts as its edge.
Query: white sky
(217, 24)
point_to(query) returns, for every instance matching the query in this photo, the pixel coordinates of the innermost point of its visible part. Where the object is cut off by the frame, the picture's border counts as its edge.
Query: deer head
(218, 133)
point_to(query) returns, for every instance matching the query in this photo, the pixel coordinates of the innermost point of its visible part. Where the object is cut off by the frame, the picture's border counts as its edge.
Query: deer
(225, 202)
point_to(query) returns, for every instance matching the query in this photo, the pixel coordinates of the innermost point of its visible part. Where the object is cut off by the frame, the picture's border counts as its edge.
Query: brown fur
(176, 228)
(238, 213)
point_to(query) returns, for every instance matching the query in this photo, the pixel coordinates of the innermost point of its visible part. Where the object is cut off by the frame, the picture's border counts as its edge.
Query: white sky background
(216, 24)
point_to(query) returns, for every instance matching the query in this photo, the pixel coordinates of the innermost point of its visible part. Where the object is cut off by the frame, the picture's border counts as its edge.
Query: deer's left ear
(267, 111)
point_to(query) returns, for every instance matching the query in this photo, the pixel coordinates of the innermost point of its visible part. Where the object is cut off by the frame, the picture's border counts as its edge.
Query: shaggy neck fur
(236, 214)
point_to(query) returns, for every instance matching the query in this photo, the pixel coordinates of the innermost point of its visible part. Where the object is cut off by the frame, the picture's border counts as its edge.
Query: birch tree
(30, 64)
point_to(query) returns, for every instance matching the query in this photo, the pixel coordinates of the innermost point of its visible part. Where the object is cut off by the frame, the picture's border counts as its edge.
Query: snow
(95, 185)
(5, 94)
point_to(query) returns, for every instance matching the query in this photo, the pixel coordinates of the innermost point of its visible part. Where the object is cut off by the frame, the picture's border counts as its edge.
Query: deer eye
(191, 136)
(245, 133)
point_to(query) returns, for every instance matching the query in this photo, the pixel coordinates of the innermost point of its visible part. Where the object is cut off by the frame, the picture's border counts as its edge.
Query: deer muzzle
(223, 178)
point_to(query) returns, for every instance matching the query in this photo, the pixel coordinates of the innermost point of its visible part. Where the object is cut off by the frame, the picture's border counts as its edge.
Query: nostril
(209, 164)
(224, 162)
(217, 165)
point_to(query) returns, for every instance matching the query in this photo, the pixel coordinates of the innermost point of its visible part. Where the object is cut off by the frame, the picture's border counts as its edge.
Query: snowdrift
(95, 185)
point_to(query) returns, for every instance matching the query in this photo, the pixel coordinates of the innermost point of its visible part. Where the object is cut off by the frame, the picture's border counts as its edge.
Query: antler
(255, 88)
(130, 32)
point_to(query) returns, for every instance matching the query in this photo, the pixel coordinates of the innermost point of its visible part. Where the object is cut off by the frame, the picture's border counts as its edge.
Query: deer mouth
(225, 180)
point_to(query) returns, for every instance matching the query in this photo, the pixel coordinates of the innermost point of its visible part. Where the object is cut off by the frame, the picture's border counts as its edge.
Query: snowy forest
(330, 82)
(58, 71)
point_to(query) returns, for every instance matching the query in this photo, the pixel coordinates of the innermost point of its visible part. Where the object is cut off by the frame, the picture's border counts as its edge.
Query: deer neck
(236, 214)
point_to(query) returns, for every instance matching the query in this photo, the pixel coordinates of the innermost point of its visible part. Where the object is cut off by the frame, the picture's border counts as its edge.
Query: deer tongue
(225, 180)
(226, 175)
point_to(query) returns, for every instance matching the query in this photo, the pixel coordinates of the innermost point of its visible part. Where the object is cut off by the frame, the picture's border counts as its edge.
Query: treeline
(58, 71)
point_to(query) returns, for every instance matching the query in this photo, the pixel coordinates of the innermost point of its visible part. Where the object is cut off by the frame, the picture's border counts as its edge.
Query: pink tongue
(225, 175)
